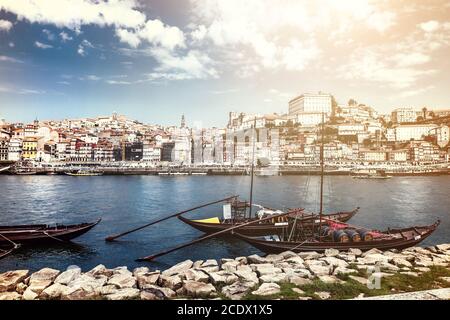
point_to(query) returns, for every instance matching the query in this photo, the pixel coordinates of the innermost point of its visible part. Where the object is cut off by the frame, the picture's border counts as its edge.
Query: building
(413, 131)
(309, 102)
(403, 115)
(401, 155)
(14, 149)
(29, 148)
(167, 151)
(372, 155)
(4, 146)
(309, 119)
(421, 151)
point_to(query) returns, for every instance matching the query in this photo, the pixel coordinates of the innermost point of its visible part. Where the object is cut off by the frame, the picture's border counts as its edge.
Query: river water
(124, 202)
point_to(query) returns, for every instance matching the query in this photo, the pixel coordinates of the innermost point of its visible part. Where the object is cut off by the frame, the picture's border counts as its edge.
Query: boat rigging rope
(16, 245)
(54, 238)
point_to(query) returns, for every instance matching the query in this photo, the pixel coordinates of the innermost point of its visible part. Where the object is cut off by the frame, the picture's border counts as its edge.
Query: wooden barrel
(353, 235)
(325, 231)
(365, 235)
(340, 236)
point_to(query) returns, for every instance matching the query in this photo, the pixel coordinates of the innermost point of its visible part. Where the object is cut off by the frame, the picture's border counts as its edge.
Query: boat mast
(253, 167)
(321, 175)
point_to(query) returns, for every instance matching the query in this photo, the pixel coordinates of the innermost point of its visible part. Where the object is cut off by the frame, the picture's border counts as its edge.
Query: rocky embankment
(238, 278)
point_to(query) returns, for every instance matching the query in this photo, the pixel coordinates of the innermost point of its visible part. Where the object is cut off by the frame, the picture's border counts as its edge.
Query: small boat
(84, 173)
(343, 238)
(212, 225)
(379, 174)
(25, 172)
(42, 233)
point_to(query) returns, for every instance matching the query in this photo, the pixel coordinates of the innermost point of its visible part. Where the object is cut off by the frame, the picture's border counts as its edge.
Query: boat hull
(38, 234)
(263, 228)
(411, 239)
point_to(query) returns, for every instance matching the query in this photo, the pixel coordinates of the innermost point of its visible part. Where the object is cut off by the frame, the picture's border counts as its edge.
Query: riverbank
(303, 276)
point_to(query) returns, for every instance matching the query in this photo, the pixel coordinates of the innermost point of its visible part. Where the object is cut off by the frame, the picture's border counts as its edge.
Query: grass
(396, 283)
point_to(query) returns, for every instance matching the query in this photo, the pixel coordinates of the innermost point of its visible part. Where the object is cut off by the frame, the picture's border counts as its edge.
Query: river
(124, 202)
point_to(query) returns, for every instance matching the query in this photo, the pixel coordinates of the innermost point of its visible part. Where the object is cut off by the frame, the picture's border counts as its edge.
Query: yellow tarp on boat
(209, 220)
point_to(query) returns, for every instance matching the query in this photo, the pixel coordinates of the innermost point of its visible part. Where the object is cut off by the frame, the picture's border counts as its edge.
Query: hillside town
(353, 133)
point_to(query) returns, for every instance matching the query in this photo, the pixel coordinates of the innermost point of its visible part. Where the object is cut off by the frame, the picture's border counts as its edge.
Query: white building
(348, 129)
(14, 149)
(309, 102)
(413, 131)
(309, 119)
(403, 115)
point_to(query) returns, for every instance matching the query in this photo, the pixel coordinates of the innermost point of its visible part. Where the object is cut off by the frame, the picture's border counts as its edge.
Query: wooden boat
(379, 174)
(382, 240)
(269, 227)
(25, 173)
(41, 233)
(5, 252)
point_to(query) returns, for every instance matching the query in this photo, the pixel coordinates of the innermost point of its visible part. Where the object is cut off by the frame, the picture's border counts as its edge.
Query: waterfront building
(310, 102)
(441, 135)
(103, 151)
(413, 131)
(4, 146)
(134, 151)
(403, 115)
(151, 153)
(29, 148)
(167, 151)
(372, 155)
(14, 149)
(421, 151)
(400, 155)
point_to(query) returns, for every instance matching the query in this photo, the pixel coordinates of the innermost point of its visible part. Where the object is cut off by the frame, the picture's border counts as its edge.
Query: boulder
(123, 280)
(210, 265)
(255, 259)
(160, 292)
(343, 270)
(296, 260)
(148, 278)
(12, 295)
(246, 274)
(320, 270)
(298, 291)
(266, 268)
(230, 266)
(410, 273)
(172, 282)
(100, 270)
(178, 268)
(78, 293)
(237, 290)
(354, 251)
(222, 278)
(29, 294)
(21, 287)
(274, 258)
(331, 252)
(147, 295)
(275, 277)
(127, 293)
(42, 279)
(323, 295)
(140, 270)
(371, 251)
(241, 260)
(10, 279)
(87, 283)
(197, 264)
(361, 280)
(443, 247)
(288, 254)
(304, 273)
(373, 258)
(55, 291)
(67, 276)
(329, 279)
(335, 262)
(299, 281)
(196, 275)
(267, 289)
(198, 289)
(309, 255)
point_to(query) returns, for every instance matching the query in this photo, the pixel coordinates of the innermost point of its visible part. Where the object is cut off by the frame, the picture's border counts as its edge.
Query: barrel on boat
(325, 231)
(340, 236)
(353, 235)
(366, 235)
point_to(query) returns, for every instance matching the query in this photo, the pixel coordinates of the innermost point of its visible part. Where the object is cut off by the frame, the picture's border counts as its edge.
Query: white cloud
(10, 59)
(50, 36)
(122, 82)
(411, 59)
(415, 92)
(75, 13)
(22, 91)
(81, 47)
(65, 36)
(129, 37)
(429, 26)
(42, 45)
(11, 44)
(5, 25)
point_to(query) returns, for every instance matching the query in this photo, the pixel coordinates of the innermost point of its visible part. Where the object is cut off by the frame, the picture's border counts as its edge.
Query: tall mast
(321, 179)
(253, 167)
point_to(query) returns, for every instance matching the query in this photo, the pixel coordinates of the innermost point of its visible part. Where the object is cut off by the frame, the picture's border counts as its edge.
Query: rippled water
(124, 202)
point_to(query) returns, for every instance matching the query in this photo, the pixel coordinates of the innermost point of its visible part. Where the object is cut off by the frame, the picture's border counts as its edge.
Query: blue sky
(156, 60)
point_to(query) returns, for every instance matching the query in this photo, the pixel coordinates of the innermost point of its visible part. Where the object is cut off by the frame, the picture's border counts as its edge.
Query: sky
(156, 60)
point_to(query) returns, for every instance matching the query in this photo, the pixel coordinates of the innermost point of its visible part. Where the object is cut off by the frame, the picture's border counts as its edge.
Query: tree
(352, 102)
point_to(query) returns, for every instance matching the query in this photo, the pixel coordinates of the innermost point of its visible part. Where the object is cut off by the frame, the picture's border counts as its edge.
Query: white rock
(335, 262)
(29, 294)
(122, 281)
(222, 278)
(160, 292)
(42, 279)
(355, 252)
(266, 268)
(55, 291)
(198, 289)
(276, 278)
(172, 282)
(237, 290)
(331, 252)
(100, 270)
(148, 278)
(255, 259)
(323, 295)
(68, 276)
(178, 268)
(10, 279)
(196, 275)
(11, 295)
(299, 281)
(267, 289)
(124, 294)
